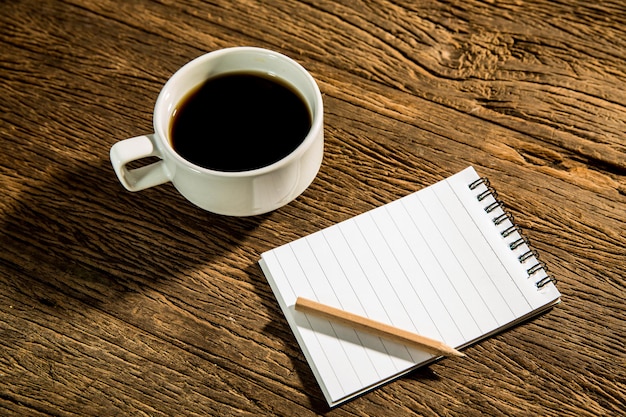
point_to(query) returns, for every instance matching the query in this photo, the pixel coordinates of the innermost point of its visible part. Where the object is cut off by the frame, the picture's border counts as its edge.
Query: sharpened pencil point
(458, 353)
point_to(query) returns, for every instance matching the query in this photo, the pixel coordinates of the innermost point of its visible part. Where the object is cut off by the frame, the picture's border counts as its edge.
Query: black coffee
(239, 122)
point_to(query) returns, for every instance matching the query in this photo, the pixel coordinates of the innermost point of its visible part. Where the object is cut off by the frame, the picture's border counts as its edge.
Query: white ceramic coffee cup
(242, 193)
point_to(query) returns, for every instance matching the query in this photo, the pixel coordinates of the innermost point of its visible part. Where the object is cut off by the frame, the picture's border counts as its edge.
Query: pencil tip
(459, 354)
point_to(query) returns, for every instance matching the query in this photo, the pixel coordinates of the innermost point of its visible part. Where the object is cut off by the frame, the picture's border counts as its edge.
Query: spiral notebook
(446, 262)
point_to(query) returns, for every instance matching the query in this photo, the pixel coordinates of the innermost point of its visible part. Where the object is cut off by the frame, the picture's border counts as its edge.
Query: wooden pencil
(375, 327)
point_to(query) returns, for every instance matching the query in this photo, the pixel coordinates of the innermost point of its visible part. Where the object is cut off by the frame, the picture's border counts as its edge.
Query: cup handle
(132, 149)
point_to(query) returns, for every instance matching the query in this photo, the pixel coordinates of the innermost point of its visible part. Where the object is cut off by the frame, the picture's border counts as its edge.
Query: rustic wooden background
(114, 303)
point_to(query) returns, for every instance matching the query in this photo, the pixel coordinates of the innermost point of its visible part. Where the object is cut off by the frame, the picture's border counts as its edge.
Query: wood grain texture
(114, 303)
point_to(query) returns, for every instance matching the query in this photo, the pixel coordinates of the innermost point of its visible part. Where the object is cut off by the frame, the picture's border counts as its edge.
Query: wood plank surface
(118, 303)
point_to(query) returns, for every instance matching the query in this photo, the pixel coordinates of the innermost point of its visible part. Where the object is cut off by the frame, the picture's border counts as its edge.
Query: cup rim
(310, 138)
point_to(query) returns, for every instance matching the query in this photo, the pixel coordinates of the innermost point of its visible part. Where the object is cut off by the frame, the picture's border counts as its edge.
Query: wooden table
(118, 303)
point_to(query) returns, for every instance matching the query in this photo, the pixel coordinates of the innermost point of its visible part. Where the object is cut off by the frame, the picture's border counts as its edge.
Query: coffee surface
(239, 122)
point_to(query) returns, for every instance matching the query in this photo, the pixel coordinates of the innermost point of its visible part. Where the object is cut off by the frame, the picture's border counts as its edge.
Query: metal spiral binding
(517, 243)
(527, 255)
(510, 230)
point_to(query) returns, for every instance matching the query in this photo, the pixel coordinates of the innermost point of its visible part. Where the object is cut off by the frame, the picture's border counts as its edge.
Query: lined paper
(432, 262)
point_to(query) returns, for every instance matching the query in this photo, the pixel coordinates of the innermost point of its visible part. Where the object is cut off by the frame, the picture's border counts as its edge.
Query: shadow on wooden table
(74, 230)
(126, 288)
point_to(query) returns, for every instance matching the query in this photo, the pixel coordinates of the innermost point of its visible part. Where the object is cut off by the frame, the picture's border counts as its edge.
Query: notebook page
(519, 278)
(431, 262)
